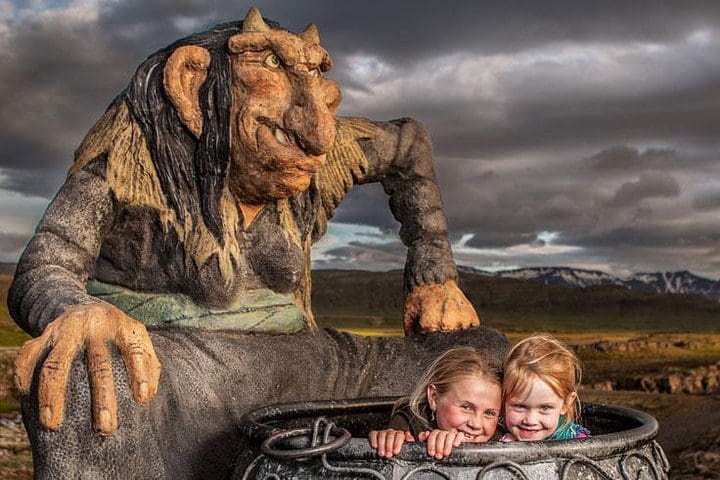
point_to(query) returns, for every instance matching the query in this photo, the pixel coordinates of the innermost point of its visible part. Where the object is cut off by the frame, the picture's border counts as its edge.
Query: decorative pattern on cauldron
(328, 440)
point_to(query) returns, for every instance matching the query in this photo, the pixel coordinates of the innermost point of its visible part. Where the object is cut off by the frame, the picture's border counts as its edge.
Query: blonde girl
(457, 400)
(540, 391)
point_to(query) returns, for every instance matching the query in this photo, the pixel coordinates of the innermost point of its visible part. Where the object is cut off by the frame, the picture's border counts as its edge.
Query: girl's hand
(441, 442)
(389, 442)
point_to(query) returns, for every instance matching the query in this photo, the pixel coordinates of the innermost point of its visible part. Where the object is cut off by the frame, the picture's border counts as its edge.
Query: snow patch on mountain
(682, 282)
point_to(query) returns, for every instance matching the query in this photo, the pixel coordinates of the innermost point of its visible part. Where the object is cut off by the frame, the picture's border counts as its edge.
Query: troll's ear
(184, 74)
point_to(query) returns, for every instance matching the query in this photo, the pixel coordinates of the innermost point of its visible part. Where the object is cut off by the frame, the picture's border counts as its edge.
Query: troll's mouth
(284, 137)
(286, 150)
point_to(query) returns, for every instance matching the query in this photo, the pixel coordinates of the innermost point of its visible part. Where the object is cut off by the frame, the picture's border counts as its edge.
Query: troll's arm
(48, 300)
(398, 154)
(51, 273)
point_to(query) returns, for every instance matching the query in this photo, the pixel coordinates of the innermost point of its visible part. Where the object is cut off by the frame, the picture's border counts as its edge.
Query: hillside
(374, 299)
(7, 268)
(10, 334)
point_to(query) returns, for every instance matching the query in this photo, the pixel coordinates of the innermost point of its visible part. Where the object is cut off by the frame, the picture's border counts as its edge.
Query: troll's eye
(315, 72)
(272, 61)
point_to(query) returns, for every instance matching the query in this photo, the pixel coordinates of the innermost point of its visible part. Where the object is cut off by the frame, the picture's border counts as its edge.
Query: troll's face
(282, 115)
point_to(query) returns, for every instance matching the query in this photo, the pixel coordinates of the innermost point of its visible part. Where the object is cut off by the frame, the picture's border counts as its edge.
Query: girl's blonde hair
(548, 359)
(452, 366)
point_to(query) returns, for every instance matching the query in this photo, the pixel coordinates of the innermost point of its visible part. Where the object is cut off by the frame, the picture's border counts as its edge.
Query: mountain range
(682, 282)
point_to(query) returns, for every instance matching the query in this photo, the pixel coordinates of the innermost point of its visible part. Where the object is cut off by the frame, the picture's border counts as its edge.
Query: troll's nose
(311, 118)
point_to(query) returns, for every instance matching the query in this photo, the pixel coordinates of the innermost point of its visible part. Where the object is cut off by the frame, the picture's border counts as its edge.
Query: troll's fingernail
(46, 416)
(143, 390)
(104, 419)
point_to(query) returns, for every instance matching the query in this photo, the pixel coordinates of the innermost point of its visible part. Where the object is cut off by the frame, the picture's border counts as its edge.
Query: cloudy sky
(571, 133)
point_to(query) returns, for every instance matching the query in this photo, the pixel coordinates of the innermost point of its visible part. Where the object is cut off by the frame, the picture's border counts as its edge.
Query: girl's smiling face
(470, 406)
(535, 415)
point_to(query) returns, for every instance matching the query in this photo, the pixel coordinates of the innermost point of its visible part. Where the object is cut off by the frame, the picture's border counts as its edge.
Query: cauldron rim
(594, 447)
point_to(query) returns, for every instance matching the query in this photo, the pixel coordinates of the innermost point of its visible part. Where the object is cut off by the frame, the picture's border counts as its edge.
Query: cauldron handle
(341, 437)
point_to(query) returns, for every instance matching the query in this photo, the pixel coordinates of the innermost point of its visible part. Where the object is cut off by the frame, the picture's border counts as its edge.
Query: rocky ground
(643, 343)
(703, 380)
(691, 440)
(15, 458)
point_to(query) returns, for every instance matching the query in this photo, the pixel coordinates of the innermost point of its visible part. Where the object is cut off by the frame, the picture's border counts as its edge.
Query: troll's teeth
(281, 136)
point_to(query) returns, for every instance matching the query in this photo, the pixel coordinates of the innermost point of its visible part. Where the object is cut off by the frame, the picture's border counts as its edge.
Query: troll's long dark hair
(192, 171)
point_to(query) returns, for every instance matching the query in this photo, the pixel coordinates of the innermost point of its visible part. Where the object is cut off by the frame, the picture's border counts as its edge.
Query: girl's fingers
(449, 441)
(381, 443)
(398, 442)
(373, 438)
(389, 443)
(431, 442)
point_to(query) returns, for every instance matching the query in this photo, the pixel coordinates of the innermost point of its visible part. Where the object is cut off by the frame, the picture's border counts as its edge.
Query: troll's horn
(310, 34)
(254, 22)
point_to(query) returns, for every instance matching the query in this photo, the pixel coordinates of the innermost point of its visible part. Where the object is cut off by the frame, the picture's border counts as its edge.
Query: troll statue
(182, 238)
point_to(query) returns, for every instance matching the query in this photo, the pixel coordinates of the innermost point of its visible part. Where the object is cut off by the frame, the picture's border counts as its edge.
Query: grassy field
(10, 334)
(583, 326)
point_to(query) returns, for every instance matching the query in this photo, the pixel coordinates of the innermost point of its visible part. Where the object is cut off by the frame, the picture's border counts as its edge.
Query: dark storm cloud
(59, 73)
(708, 201)
(623, 158)
(654, 235)
(404, 31)
(571, 122)
(367, 205)
(578, 118)
(43, 182)
(647, 186)
(11, 244)
(56, 78)
(377, 256)
(496, 239)
(407, 30)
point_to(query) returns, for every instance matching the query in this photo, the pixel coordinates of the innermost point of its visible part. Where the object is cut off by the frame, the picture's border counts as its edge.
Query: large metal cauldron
(328, 440)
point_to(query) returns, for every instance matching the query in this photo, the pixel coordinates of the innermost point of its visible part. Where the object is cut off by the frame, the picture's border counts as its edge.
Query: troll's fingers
(26, 360)
(102, 381)
(140, 359)
(53, 382)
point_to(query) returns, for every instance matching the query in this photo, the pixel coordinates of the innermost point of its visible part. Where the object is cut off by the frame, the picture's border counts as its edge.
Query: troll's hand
(89, 328)
(438, 308)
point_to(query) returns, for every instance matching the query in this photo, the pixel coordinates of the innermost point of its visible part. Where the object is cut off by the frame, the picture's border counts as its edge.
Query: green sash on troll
(261, 310)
